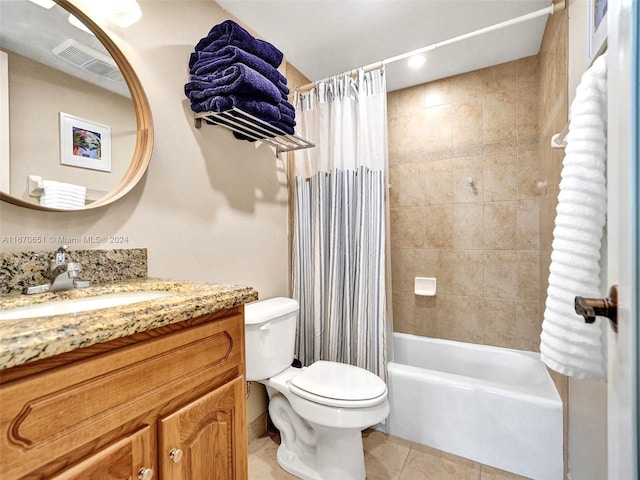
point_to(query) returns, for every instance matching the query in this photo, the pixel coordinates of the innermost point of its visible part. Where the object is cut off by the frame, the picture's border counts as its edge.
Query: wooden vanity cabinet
(164, 404)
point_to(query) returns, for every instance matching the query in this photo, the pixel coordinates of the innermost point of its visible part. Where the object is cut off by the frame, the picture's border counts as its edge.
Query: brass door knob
(590, 308)
(145, 474)
(176, 455)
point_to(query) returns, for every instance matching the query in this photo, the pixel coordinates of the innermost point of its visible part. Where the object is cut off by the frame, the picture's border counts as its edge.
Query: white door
(622, 237)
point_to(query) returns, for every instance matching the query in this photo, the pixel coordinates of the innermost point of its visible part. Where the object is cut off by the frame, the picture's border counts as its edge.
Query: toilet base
(314, 452)
(335, 458)
(301, 465)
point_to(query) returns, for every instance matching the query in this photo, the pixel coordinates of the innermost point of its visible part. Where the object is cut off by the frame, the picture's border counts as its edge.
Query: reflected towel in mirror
(62, 195)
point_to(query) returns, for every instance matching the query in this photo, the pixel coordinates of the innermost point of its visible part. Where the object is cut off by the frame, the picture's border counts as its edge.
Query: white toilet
(320, 410)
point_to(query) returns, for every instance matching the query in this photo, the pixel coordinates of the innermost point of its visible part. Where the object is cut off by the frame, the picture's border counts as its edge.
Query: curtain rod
(550, 10)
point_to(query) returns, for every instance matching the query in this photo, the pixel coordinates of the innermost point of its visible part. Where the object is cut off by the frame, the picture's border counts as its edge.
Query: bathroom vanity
(150, 390)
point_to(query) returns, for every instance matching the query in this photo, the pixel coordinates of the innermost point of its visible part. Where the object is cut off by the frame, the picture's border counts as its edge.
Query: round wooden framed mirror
(129, 164)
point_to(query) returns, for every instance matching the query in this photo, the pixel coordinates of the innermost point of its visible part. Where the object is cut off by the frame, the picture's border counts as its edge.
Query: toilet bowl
(321, 409)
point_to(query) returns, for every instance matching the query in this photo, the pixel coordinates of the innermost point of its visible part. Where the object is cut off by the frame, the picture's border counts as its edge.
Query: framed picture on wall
(84, 143)
(597, 27)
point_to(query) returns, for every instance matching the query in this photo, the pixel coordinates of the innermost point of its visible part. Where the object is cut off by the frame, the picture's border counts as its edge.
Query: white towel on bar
(62, 195)
(568, 344)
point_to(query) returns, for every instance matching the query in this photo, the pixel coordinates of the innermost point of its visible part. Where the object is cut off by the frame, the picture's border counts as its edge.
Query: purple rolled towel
(286, 108)
(284, 126)
(230, 33)
(264, 111)
(234, 80)
(211, 62)
(288, 119)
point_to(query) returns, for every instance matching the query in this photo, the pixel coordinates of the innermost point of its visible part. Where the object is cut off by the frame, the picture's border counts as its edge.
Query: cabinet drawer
(121, 461)
(48, 415)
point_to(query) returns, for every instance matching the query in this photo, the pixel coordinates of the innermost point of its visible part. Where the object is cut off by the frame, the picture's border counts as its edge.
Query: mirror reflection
(64, 105)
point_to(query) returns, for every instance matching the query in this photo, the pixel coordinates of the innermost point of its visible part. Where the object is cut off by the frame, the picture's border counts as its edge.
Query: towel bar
(590, 308)
(254, 128)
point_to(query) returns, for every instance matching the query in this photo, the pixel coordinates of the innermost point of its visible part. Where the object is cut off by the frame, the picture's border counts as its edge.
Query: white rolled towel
(62, 195)
(568, 344)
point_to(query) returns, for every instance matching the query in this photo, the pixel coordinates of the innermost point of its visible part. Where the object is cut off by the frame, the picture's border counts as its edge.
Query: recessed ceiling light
(73, 20)
(417, 61)
(44, 3)
(124, 13)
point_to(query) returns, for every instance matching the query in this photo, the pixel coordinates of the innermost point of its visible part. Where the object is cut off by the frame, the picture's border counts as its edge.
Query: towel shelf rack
(253, 128)
(36, 189)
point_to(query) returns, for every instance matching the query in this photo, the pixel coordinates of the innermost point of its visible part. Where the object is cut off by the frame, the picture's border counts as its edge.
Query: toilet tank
(270, 332)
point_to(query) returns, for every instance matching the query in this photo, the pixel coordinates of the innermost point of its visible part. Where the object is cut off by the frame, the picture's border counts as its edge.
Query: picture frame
(84, 143)
(597, 27)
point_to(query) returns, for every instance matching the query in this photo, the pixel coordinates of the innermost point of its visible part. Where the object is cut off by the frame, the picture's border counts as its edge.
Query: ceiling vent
(88, 59)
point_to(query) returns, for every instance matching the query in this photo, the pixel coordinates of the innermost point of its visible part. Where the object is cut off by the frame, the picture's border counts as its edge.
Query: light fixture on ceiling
(123, 13)
(417, 61)
(78, 24)
(44, 3)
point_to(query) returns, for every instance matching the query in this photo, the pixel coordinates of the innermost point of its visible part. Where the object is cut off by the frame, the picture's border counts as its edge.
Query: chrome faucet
(63, 275)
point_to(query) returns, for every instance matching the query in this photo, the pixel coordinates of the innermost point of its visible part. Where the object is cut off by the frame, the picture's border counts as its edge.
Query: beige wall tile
(500, 274)
(529, 173)
(435, 128)
(500, 81)
(392, 105)
(461, 272)
(500, 225)
(410, 100)
(408, 263)
(547, 221)
(482, 125)
(438, 177)
(409, 180)
(407, 227)
(529, 275)
(499, 119)
(498, 322)
(527, 72)
(438, 226)
(458, 318)
(528, 326)
(437, 93)
(468, 226)
(527, 116)
(462, 169)
(545, 262)
(414, 314)
(466, 118)
(528, 224)
(466, 87)
(500, 171)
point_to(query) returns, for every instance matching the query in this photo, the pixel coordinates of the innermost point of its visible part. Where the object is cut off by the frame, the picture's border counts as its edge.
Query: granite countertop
(35, 338)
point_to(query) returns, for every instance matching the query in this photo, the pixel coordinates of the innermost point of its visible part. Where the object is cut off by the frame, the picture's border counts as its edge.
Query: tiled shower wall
(553, 116)
(482, 240)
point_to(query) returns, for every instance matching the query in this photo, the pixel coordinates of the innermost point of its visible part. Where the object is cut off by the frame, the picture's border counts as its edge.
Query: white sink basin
(60, 307)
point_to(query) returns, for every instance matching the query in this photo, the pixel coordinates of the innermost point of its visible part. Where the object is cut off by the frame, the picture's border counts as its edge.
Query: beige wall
(210, 208)
(481, 242)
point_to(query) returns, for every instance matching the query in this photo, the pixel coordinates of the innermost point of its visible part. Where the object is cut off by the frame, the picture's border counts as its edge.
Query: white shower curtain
(339, 241)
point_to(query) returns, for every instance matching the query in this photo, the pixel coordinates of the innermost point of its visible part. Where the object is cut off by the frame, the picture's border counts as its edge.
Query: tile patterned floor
(386, 458)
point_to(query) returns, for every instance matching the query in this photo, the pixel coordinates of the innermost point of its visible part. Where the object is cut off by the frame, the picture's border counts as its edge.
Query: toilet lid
(339, 383)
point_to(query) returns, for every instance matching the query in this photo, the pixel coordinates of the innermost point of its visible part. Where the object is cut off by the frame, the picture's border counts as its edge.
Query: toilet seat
(338, 385)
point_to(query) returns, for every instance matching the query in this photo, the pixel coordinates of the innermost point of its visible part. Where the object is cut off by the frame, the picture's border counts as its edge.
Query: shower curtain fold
(339, 245)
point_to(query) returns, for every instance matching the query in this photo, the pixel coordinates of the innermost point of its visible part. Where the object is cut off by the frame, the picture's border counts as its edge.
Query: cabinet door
(128, 458)
(206, 439)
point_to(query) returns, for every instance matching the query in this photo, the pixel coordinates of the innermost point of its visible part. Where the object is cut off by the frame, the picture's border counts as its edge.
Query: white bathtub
(493, 405)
